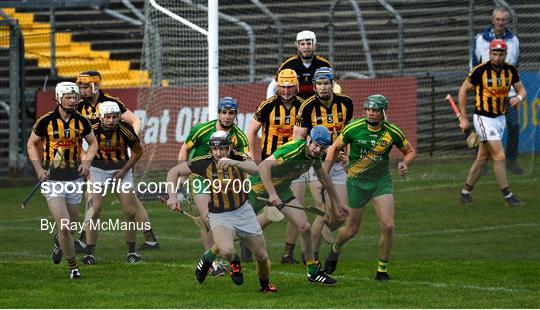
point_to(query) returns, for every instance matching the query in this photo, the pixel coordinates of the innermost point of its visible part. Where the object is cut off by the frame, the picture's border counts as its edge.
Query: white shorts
(71, 191)
(98, 175)
(242, 220)
(337, 174)
(489, 128)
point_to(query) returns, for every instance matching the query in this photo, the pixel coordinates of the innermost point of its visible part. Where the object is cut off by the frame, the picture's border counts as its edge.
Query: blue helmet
(323, 73)
(227, 103)
(321, 135)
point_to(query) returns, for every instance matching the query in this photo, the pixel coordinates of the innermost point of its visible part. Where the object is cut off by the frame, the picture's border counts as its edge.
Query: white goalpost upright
(212, 35)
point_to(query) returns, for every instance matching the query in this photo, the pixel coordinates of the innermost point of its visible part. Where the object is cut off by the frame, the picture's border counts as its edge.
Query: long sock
(467, 189)
(264, 283)
(209, 256)
(149, 236)
(316, 255)
(82, 237)
(312, 267)
(90, 249)
(72, 263)
(131, 247)
(289, 249)
(337, 247)
(383, 262)
(506, 192)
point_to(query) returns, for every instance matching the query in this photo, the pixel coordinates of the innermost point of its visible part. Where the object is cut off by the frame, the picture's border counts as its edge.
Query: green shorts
(284, 193)
(361, 193)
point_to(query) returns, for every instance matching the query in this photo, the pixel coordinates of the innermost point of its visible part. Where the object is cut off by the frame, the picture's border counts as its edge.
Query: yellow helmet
(287, 77)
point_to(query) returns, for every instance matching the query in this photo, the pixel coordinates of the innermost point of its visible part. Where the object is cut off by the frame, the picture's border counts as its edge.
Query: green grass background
(446, 255)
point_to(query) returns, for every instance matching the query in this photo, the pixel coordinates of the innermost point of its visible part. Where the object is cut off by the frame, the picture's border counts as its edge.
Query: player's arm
(332, 154)
(90, 138)
(173, 183)
(521, 93)
(132, 119)
(248, 166)
(326, 181)
(265, 171)
(272, 88)
(34, 147)
(299, 132)
(464, 90)
(409, 155)
(136, 154)
(184, 152)
(253, 129)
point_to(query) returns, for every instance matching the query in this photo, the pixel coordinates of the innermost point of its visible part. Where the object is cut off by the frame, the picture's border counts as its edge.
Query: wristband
(520, 98)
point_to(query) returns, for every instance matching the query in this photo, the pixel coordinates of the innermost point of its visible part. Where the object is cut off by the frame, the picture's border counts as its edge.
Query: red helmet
(498, 44)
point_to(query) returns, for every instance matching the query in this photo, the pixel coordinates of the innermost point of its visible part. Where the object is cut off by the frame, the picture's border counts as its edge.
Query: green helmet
(377, 101)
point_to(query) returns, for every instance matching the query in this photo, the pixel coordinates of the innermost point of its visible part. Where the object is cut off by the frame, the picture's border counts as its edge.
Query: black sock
(289, 249)
(131, 247)
(316, 255)
(90, 249)
(82, 237)
(506, 191)
(468, 187)
(264, 283)
(149, 235)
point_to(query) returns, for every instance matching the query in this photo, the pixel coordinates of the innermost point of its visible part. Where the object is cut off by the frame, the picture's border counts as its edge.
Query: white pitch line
(439, 185)
(430, 284)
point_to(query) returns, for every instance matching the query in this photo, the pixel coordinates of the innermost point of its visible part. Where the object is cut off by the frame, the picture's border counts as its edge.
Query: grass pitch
(446, 255)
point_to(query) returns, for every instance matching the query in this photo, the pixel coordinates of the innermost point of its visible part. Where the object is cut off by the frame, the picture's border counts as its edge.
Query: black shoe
(74, 274)
(133, 258)
(512, 201)
(57, 251)
(330, 263)
(89, 260)
(202, 269)
(80, 247)
(382, 276)
(148, 246)
(323, 278)
(465, 198)
(245, 253)
(236, 273)
(514, 168)
(289, 259)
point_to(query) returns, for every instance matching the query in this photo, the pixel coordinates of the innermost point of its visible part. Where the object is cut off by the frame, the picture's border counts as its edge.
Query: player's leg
(291, 233)
(358, 197)
(128, 202)
(141, 216)
(497, 152)
(482, 127)
(299, 219)
(59, 210)
(224, 239)
(92, 229)
(384, 207)
(257, 246)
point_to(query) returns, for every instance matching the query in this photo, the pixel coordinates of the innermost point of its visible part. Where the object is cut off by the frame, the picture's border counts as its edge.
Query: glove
(473, 140)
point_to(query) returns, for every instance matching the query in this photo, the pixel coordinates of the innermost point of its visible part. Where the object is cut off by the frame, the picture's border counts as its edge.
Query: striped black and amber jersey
(313, 112)
(226, 187)
(113, 145)
(277, 122)
(305, 75)
(92, 112)
(65, 137)
(492, 87)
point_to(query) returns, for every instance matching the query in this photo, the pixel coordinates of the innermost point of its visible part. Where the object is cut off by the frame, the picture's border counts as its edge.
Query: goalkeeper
(368, 178)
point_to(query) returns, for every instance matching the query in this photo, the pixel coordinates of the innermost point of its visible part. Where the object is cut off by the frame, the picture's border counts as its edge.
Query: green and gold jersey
(199, 136)
(368, 158)
(292, 161)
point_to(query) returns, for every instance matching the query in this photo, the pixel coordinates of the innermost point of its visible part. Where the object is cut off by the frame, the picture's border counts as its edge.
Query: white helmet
(63, 88)
(306, 35)
(108, 107)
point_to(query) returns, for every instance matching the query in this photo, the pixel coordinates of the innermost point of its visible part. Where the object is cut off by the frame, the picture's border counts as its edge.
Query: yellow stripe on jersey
(365, 162)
